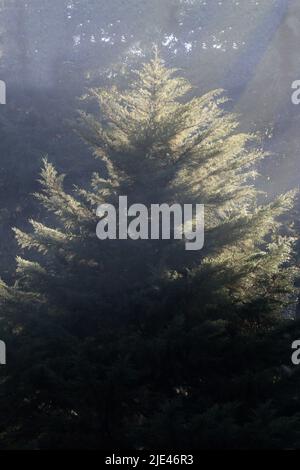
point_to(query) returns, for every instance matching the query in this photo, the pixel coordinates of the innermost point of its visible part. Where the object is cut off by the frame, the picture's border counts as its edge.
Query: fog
(142, 344)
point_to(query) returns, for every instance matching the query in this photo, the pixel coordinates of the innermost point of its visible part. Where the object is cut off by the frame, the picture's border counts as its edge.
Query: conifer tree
(141, 343)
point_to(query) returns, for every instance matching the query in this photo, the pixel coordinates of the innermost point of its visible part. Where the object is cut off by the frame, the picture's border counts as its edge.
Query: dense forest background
(121, 349)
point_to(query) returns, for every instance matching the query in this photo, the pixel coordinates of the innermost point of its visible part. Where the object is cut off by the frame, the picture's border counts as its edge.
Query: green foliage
(141, 344)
